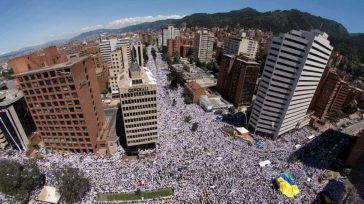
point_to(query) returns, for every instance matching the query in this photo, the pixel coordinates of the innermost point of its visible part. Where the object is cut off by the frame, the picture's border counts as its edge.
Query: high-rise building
(137, 53)
(237, 79)
(120, 61)
(138, 106)
(240, 45)
(107, 46)
(64, 99)
(174, 46)
(203, 46)
(169, 32)
(293, 68)
(332, 94)
(16, 123)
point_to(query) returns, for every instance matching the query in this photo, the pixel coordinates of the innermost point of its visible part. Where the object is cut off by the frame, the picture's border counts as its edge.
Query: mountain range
(275, 21)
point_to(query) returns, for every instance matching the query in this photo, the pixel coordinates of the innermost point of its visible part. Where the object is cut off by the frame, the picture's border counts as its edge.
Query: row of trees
(145, 55)
(154, 53)
(20, 180)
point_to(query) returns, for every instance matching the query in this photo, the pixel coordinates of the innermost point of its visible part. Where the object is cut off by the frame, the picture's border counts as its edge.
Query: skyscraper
(203, 46)
(64, 99)
(237, 79)
(169, 32)
(240, 45)
(138, 106)
(120, 61)
(293, 68)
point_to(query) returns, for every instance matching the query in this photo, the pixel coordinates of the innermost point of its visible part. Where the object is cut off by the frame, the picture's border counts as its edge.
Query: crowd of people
(202, 166)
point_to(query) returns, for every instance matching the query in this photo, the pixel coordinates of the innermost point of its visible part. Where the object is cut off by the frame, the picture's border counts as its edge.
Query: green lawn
(132, 196)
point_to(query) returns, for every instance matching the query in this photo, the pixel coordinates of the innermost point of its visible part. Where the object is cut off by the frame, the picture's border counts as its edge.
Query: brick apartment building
(237, 79)
(332, 93)
(174, 46)
(63, 97)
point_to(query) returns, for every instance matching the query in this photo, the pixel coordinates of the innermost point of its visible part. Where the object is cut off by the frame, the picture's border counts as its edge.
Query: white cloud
(119, 23)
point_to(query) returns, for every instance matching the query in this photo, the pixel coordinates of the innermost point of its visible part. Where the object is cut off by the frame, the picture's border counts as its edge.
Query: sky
(32, 22)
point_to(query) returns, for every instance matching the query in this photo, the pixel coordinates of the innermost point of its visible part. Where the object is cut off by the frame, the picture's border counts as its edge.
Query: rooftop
(125, 82)
(7, 97)
(191, 72)
(69, 63)
(134, 68)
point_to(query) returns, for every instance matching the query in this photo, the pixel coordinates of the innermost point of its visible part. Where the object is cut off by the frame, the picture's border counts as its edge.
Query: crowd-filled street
(204, 166)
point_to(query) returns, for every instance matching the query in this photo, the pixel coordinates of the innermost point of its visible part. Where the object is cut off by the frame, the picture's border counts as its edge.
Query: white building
(120, 61)
(169, 33)
(137, 50)
(235, 45)
(107, 46)
(203, 46)
(293, 68)
(138, 105)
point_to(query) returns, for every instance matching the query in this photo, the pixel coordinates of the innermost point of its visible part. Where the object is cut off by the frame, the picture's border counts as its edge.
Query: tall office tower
(169, 33)
(237, 79)
(138, 106)
(16, 123)
(107, 46)
(138, 53)
(64, 99)
(294, 65)
(120, 60)
(240, 45)
(203, 46)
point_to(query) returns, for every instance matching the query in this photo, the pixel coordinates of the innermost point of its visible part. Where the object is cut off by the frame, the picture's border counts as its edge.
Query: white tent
(49, 194)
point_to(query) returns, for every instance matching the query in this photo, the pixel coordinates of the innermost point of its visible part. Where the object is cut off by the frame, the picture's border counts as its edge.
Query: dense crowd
(205, 166)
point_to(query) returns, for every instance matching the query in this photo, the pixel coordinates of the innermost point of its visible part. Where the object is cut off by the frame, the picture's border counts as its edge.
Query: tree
(176, 78)
(154, 53)
(200, 64)
(19, 180)
(174, 102)
(188, 99)
(8, 75)
(145, 55)
(188, 119)
(335, 116)
(350, 108)
(105, 90)
(72, 184)
(166, 58)
(260, 58)
(194, 127)
(176, 58)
